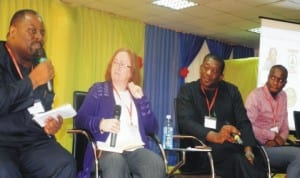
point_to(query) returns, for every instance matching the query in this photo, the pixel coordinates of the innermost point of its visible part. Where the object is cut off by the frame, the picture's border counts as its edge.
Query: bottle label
(168, 138)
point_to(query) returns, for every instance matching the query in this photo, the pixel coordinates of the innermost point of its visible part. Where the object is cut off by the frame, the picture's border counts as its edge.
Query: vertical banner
(279, 44)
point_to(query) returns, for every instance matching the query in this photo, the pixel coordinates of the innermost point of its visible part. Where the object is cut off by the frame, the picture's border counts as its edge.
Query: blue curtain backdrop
(190, 45)
(161, 78)
(221, 49)
(242, 52)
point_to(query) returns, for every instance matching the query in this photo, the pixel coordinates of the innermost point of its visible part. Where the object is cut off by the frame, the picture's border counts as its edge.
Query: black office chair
(297, 125)
(187, 141)
(81, 138)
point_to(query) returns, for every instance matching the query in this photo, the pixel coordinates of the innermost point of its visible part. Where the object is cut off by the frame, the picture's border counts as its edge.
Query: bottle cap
(168, 116)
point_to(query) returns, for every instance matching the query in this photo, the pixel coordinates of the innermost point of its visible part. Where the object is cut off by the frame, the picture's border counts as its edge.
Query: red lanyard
(274, 109)
(14, 61)
(210, 105)
(129, 109)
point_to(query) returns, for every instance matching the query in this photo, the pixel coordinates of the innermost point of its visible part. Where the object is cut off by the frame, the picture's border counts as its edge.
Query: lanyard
(14, 61)
(210, 105)
(129, 109)
(274, 109)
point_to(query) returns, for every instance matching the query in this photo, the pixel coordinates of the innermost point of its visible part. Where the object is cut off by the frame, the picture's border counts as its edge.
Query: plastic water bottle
(168, 133)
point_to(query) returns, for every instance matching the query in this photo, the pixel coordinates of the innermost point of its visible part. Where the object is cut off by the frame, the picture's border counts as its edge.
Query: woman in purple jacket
(99, 115)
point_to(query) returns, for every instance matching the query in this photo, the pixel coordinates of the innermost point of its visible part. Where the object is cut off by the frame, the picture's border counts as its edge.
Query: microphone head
(39, 56)
(237, 138)
(39, 53)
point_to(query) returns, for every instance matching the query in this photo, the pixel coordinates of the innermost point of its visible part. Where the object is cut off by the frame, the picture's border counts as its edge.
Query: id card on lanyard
(274, 129)
(210, 121)
(36, 108)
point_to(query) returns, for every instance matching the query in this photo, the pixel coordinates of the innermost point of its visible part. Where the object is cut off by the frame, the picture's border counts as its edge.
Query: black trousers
(41, 159)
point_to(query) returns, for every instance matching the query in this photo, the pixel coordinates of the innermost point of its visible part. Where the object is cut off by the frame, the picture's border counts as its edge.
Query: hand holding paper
(52, 125)
(65, 111)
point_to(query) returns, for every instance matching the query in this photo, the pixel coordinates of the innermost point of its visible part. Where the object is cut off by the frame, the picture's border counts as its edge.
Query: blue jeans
(286, 157)
(141, 163)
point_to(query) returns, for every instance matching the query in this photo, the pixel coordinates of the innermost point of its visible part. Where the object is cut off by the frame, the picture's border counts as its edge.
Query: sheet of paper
(65, 111)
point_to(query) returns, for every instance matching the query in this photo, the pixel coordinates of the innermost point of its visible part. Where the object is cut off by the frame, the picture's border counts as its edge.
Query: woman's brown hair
(135, 69)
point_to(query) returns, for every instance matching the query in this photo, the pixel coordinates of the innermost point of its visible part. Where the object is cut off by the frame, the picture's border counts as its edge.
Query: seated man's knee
(8, 170)
(68, 168)
(65, 166)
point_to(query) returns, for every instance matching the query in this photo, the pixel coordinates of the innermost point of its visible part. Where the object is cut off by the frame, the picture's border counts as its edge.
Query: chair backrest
(79, 141)
(297, 123)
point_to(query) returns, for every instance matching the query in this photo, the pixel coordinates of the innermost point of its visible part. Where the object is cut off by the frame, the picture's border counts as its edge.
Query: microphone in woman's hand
(117, 113)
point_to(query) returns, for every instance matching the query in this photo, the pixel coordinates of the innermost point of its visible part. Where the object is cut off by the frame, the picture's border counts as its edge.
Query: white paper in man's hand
(65, 111)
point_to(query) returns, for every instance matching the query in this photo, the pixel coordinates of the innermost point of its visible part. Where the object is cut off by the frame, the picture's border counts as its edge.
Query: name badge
(210, 122)
(274, 129)
(36, 108)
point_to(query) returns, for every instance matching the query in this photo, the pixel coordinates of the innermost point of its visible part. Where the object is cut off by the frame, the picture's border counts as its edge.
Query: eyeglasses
(121, 64)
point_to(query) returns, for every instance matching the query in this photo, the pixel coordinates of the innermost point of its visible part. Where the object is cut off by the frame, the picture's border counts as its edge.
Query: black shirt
(191, 109)
(16, 95)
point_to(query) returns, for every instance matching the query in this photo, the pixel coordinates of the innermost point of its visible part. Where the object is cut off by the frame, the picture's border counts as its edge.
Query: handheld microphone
(235, 136)
(117, 113)
(40, 56)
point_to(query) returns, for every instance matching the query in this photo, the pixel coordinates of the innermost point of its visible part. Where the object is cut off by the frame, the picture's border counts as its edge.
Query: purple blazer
(98, 104)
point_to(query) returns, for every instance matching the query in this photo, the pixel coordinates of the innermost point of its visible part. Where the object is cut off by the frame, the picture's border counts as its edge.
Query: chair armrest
(163, 153)
(189, 137)
(97, 153)
(82, 132)
(90, 139)
(290, 142)
(155, 138)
